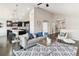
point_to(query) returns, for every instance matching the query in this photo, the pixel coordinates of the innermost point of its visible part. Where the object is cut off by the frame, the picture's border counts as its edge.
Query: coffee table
(43, 41)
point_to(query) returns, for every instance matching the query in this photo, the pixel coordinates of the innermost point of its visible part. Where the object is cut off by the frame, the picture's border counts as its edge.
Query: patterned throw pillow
(62, 34)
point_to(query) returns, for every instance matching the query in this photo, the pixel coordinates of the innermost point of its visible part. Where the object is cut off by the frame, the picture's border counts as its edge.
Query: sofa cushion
(39, 34)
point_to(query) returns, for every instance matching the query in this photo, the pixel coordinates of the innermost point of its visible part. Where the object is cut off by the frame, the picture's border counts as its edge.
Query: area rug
(56, 49)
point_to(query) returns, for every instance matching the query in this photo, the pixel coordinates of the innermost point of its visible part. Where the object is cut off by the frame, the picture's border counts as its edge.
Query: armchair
(63, 35)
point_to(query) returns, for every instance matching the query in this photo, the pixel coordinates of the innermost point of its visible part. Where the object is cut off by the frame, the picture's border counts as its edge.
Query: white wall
(72, 23)
(41, 15)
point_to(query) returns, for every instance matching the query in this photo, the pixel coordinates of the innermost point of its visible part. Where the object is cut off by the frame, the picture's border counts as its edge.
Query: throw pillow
(30, 36)
(39, 34)
(45, 34)
(27, 36)
(62, 34)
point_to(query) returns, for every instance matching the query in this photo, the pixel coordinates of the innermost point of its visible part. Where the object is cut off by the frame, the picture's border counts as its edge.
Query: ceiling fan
(47, 5)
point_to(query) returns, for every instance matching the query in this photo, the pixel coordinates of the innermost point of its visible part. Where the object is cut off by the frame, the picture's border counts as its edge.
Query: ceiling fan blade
(39, 3)
(47, 5)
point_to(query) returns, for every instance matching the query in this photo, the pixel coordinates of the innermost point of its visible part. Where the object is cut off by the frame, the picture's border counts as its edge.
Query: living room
(39, 29)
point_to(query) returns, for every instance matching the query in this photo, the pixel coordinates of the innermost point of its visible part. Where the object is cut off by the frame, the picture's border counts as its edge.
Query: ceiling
(23, 9)
(71, 9)
(11, 10)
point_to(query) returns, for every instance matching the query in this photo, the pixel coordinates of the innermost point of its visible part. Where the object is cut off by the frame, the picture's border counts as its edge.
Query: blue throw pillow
(39, 34)
(30, 36)
(45, 34)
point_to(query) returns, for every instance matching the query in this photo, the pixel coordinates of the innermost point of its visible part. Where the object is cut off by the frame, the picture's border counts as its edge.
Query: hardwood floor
(5, 51)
